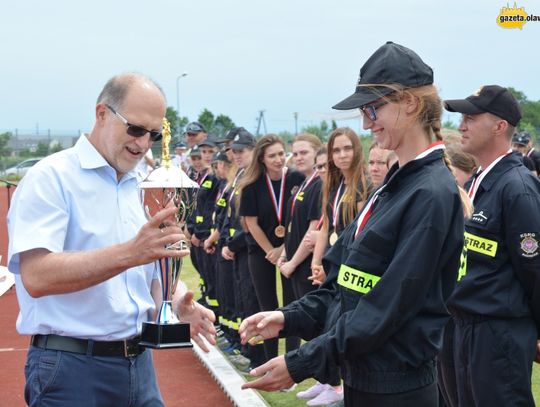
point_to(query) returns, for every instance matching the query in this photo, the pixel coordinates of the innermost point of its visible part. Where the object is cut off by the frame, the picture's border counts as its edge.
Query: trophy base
(165, 336)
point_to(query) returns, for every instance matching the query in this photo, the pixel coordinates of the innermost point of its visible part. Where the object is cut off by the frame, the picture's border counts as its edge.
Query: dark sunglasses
(134, 130)
(371, 110)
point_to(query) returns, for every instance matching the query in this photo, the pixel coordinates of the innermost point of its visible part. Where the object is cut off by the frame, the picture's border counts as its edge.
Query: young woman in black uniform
(393, 268)
(303, 214)
(264, 191)
(344, 193)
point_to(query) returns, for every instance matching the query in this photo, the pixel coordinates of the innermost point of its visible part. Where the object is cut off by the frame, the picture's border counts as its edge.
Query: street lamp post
(178, 97)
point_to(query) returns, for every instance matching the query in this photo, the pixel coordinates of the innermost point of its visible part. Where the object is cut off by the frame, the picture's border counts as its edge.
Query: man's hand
(151, 242)
(201, 320)
(209, 246)
(261, 326)
(275, 376)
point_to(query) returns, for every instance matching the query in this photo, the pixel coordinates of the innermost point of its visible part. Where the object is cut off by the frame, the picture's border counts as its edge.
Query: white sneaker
(327, 396)
(313, 391)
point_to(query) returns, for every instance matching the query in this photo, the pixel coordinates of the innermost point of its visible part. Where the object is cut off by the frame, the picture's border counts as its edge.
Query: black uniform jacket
(391, 285)
(206, 201)
(502, 278)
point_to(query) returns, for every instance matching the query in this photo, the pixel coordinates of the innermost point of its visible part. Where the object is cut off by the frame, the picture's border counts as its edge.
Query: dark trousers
(287, 286)
(64, 379)
(493, 360)
(263, 276)
(427, 396)
(299, 279)
(225, 287)
(446, 372)
(247, 303)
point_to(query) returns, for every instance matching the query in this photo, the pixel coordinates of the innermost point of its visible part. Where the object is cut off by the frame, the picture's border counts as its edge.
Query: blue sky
(245, 56)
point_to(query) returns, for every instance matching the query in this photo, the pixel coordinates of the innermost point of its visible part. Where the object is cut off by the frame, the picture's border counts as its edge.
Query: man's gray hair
(116, 89)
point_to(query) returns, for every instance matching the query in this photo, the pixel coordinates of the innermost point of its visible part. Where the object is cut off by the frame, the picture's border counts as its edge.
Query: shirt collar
(510, 161)
(91, 159)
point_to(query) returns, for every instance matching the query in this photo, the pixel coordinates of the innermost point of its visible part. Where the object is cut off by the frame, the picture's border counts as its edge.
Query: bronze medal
(333, 238)
(279, 231)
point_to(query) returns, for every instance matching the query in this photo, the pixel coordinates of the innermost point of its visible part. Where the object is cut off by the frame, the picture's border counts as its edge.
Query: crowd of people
(412, 275)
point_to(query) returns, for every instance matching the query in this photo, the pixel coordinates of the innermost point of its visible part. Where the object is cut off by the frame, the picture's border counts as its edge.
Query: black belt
(127, 348)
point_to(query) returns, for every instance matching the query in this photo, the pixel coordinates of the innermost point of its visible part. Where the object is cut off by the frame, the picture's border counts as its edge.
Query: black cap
(221, 156)
(194, 128)
(492, 99)
(242, 140)
(233, 132)
(522, 138)
(195, 150)
(207, 142)
(390, 64)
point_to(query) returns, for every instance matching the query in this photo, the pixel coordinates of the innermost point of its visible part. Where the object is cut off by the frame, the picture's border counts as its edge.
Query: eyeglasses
(134, 130)
(371, 110)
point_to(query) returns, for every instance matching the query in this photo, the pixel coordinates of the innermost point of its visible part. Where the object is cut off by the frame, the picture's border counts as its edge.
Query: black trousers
(225, 287)
(446, 371)
(427, 396)
(493, 360)
(299, 279)
(246, 303)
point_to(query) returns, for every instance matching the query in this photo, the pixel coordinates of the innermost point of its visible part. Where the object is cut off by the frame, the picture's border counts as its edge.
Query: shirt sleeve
(523, 240)
(38, 216)
(248, 201)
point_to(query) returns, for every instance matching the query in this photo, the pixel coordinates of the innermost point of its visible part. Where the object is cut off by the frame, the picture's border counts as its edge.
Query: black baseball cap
(194, 128)
(492, 99)
(242, 140)
(221, 156)
(523, 138)
(233, 132)
(195, 150)
(390, 64)
(207, 142)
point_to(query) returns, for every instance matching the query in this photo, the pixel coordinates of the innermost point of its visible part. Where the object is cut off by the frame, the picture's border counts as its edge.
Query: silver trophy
(165, 186)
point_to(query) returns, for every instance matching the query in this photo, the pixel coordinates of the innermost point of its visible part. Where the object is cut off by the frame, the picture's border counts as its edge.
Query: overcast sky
(245, 56)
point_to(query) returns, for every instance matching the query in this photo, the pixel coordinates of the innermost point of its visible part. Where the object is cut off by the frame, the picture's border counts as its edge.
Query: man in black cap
(523, 143)
(195, 133)
(496, 303)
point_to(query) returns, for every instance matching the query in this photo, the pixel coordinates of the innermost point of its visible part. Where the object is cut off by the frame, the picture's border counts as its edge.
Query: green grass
(280, 399)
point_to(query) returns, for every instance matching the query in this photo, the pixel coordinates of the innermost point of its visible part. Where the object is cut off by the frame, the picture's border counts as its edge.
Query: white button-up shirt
(71, 201)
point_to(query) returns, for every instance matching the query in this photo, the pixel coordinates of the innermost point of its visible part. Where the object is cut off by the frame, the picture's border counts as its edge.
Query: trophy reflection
(165, 186)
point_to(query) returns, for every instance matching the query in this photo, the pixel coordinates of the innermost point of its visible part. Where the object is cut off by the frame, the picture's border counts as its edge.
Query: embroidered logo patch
(480, 217)
(529, 245)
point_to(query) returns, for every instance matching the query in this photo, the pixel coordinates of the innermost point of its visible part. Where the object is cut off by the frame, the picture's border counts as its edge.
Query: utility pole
(295, 114)
(178, 98)
(260, 120)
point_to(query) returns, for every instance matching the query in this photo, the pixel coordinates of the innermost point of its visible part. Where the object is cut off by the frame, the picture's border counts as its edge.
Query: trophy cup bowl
(163, 185)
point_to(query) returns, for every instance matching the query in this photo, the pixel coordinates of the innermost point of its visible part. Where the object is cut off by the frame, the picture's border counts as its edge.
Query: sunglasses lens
(136, 131)
(155, 135)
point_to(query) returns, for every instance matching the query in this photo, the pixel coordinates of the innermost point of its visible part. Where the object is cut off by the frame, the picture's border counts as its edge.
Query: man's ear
(101, 109)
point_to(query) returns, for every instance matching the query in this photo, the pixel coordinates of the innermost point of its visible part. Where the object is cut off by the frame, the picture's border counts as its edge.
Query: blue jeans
(62, 379)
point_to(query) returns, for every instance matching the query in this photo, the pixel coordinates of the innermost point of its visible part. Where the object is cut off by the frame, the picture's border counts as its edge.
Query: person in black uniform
(201, 222)
(235, 247)
(264, 191)
(496, 303)
(393, 267)
(344, 193)
(523, 143)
